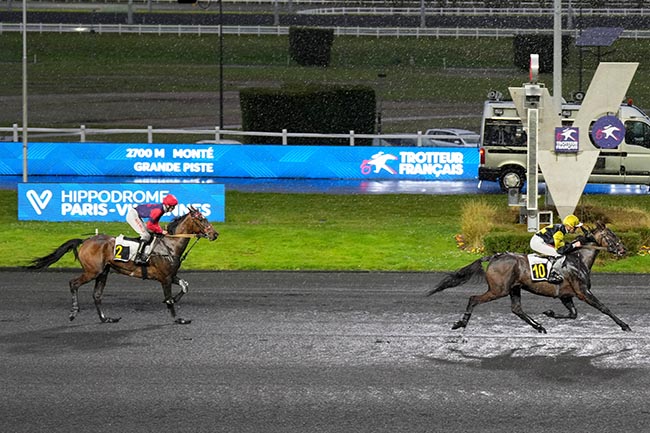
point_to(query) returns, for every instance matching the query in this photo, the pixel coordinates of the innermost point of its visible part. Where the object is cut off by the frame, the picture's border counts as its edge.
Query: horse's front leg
(591, 299)
(170, 302)
(184, 287)
(568, 303)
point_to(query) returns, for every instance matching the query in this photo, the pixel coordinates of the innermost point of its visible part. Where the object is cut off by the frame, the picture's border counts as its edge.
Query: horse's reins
(594, 247)
(186, 235)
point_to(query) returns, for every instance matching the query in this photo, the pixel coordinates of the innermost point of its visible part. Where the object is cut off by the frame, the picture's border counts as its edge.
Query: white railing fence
(213, 136)
(440, 32)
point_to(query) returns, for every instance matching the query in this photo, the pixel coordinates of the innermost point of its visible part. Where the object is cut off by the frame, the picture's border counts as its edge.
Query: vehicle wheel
(512, 177)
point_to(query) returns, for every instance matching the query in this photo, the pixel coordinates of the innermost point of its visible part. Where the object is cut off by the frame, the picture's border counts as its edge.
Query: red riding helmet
(170, 200)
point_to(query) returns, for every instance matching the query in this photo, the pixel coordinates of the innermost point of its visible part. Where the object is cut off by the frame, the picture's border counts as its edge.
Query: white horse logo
(609, 131)
(567, 134)
(379, 160)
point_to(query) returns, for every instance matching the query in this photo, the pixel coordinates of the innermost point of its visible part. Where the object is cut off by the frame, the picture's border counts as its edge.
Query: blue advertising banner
(242, 161)
(111, 201)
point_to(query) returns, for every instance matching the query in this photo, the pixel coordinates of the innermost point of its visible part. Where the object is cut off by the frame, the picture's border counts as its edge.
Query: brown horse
(509, 273)
(96, 256)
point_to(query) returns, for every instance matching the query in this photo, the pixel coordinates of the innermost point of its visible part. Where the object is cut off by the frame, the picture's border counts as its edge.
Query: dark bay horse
(509, 273)
(96, 256)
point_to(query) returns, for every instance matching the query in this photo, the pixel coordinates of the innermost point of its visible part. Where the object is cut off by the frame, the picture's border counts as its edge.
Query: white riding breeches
(137, 224)
(537, 244)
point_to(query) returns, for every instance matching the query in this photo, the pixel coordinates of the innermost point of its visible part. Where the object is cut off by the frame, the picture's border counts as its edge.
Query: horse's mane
(172, 226)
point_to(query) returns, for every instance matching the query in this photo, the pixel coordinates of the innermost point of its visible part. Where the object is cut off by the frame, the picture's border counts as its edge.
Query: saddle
(126, 248)
(540, 266)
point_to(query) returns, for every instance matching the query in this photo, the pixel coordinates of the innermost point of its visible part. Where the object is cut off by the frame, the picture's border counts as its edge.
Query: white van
(504, 145)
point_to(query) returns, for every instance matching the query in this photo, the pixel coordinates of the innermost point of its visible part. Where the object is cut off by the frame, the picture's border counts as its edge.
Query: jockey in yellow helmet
(549, 241)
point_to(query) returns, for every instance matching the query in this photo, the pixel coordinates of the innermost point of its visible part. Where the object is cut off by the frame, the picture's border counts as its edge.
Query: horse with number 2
(509, 273)
(98, 255)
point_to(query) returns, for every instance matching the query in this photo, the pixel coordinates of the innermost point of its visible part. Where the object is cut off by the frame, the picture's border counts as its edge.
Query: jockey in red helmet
(153, 212)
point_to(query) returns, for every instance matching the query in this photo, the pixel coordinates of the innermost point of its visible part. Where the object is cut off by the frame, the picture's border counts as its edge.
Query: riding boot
(554, 275)
(141, 257)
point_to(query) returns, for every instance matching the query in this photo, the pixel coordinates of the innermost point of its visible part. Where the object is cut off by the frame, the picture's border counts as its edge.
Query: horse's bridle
(198, 218)
(614, 247)
(202, 221)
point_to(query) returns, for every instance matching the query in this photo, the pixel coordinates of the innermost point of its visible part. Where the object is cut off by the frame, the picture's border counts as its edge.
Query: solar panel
(598, 36)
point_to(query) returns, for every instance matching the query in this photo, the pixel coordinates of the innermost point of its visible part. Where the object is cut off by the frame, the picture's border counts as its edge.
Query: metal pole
(24, 90)
(423, 19)
(557, 56)
(380, 107)
(220, 64)
(276, 13)
(129, 13)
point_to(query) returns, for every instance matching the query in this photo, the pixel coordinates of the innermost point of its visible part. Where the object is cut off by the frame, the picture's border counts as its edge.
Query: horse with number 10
(509, 273)
(95, 254)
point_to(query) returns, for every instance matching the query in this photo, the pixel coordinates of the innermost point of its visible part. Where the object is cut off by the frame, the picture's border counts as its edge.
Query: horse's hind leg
(75, 283)
(515, 299)
(100, 283)
(568, 303)
(473, 302)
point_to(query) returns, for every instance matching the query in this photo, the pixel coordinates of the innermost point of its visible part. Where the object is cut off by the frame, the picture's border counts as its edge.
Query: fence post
(15, 133)
(352, 138)
(149, 134)
(284, 137)
(217, 134)
(419, 138)
(82, 133)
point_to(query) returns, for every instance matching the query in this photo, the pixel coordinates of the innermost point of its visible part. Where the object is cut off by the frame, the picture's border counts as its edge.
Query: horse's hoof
(111, 320)
(549, 313)
(180, 321)
(459, 325)
(626, 328)
(72, 316)
(541, 330)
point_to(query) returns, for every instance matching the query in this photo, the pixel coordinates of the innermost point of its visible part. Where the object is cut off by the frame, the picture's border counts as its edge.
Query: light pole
(220, 64)
(24, 90)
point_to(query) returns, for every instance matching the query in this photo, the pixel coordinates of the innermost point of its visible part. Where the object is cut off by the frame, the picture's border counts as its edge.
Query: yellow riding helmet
(571, 221)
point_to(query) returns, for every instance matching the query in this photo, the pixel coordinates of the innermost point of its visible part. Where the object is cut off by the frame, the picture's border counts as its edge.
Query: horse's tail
(461, 276)
(55, 256)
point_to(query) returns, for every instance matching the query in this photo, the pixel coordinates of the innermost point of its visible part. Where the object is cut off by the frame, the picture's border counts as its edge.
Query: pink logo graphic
(608, 132)
(379, 162)
(566, 134)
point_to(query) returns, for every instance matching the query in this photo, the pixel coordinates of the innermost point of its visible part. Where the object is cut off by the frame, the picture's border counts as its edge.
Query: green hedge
(311, 46)
(322, 109)
(519, 242)
(525, 45)
(502, 242)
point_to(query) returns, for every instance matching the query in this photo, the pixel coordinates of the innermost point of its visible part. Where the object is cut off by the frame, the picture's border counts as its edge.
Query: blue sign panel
(608, 132)
(567, 139)
(111, 201)
(243, 161)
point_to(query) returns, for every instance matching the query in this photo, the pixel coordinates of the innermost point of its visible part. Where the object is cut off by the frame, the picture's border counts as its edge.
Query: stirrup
(141, 259)
(554, 277)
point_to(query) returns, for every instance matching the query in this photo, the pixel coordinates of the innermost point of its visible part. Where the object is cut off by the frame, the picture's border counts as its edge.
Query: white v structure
(566, 174)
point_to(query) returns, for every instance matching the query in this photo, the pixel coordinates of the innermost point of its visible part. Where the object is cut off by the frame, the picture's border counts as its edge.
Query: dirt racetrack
(317, 352)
